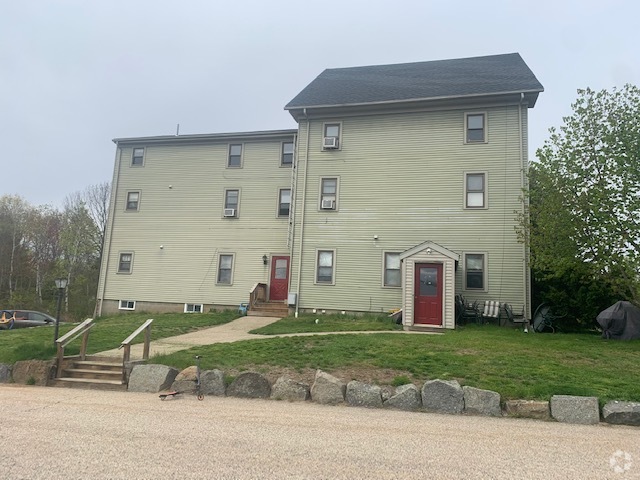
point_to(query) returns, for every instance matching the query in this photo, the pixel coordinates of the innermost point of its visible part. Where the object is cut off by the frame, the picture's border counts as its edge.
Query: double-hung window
(235, 156)
(475, 128)
(392, 270)
(329, 194)
(125, 262)
(225, 269)
(331, 136)
(325, 266)
(287, 154)
(474, 267)
(231, 202)
(475, 190)
(137, 157)
(133, 201)
(284, 202)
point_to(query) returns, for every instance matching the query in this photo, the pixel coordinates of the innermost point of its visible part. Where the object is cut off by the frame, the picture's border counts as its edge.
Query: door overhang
(429, 253)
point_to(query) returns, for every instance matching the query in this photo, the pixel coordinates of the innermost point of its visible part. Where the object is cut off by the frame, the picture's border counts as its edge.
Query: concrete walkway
(233, 331)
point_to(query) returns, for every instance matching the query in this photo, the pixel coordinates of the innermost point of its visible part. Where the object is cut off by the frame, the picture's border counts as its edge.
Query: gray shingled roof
(418, 81)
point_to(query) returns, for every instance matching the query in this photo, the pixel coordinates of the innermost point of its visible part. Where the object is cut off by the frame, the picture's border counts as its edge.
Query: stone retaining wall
(440, 396)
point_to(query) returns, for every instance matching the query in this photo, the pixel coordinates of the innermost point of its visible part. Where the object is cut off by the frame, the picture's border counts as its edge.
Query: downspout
(292, 208)
(106, 251)
(523, 180)
(304, 202)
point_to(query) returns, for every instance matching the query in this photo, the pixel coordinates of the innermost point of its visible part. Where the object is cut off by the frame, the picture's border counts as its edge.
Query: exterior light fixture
(265, 259)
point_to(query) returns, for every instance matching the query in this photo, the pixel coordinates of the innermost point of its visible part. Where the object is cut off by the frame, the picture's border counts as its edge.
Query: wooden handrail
(67, 338)
(126, 344)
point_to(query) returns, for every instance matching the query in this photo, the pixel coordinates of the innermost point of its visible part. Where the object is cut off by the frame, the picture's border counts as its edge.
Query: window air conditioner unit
(330, 142)
(327, 204)
(229, 212)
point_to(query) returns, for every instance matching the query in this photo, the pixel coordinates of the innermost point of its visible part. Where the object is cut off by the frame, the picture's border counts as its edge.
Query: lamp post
(61, 284)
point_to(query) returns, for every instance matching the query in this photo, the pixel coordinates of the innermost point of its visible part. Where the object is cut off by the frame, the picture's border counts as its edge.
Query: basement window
(127, 305)
(192, 308)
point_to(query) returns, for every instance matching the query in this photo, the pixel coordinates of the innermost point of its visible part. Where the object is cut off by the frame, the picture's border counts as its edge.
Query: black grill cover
(621, 321)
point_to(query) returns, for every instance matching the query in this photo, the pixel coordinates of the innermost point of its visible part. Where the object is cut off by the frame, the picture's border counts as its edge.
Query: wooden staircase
(269, 309)
(95, 373)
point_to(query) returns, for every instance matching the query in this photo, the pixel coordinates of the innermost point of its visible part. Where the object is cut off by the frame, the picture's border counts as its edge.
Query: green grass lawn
(515, 364)
(37, 343)
(309, 323)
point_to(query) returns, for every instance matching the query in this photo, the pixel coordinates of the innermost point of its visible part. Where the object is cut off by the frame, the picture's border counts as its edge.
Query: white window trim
(384, 268)
(278, 202)
(233, 267)
(333, 273)
(485, 276)
(126, 201)
(293, 158)
(118, 263)
(324, 124)
(193, 305)
(486, 128)
(224, 202)
(144, 156)
(486, 190)
(242, 145)
(337, 205)
(120, 307)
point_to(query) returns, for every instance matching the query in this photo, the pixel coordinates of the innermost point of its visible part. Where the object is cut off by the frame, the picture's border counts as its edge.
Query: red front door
(428, 294)
(279, 284)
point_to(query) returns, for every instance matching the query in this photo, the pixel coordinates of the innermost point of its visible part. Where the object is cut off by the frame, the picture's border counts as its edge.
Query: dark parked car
(24, 318)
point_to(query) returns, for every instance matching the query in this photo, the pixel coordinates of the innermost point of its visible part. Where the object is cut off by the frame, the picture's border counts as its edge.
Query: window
(475, 190)
(137, 157)
(225, 269)
(392, 276)
(328, 194)
(127, 305)
(325, 266)
(474, 271)
(124, 265)
(475, 128)
(192, 308)
(133, 199)
(284, 202)
(331, 136)
(235, 156)
(287, 154)
(231, 203)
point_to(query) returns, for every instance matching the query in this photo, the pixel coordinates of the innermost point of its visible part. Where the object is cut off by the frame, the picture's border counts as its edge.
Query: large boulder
(527, 409)
(327, 389)
(444, 396)
(290, 390)
(481, 402)
(5, 373)
(363, 395)
(185, 381)
(622, 413)
(572, 409)
(250, 385)
(33, 372)
(407, 397)
(212, 383)
(151, 378)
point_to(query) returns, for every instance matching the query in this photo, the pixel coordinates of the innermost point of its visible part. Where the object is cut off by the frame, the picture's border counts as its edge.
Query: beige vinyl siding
(183, 188)
(402, 178)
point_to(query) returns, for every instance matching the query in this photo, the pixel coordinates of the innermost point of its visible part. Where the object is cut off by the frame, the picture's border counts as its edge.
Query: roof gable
(431, 246)
(490, 75)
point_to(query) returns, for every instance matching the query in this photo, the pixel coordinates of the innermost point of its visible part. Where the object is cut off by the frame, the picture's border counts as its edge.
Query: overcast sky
(76, 74)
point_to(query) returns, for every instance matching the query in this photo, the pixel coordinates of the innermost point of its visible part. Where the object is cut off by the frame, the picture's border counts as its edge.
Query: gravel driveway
(53, 433)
